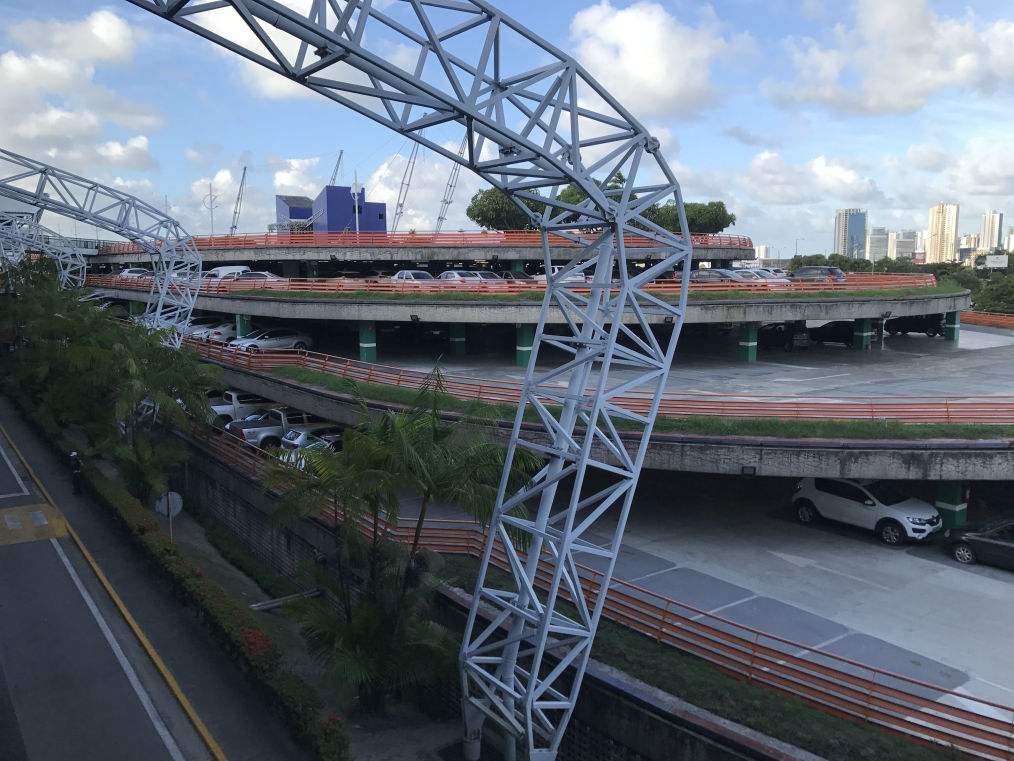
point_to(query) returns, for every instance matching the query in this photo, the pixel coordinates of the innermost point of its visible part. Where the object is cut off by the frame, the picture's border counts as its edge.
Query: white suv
(879, 506)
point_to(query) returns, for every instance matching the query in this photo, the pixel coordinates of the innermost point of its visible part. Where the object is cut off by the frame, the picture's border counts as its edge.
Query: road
(75, 681)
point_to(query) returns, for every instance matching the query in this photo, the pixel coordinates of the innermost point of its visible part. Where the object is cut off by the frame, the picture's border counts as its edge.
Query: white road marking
(653, 573)
(128, 670)
(821, 645)
(803, 380)
(12, 521)
(38, 518)
(801, 562)
(786, 367)
(727, 605)
(10, 467)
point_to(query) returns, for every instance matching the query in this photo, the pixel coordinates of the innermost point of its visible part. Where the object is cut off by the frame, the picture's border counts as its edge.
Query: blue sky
(786, 110)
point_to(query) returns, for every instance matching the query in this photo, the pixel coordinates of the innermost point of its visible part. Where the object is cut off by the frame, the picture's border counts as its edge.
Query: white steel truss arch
(21, 235)
(176, 262)
(533, 122)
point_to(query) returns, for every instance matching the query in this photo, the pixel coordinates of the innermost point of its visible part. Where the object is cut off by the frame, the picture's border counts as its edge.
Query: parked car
(991, 543)
(410, 277)
(459, 277)
(715, 275)
(323, 439)
(518, 276)
(135, 272)
(782, 335)
(236, 405)
(258, 275)
(301, 436)
(573, 277)
(930, 324)
(227, 271)
(267, 432)
(771, 279)
(879, 506)
(235, 426)
(835, 332)
(220, 333)
(201, 324)
(818, 274)
(273, 338)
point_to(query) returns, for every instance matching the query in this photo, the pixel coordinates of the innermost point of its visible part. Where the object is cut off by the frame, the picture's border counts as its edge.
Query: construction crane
(452, 183)
(406, 181)
(239, 204)
(337, 166)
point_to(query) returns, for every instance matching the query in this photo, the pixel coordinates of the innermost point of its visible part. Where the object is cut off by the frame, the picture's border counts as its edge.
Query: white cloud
(201, 153)
(423, 201)
(927, 156)
(651, 62)
(772, 181)
(53, 109)
(292, 177)
(746, 137)
(895, 58)
(837, 177)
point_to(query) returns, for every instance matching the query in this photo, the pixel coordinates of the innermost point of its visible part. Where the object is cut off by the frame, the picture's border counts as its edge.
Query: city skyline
(785, 112)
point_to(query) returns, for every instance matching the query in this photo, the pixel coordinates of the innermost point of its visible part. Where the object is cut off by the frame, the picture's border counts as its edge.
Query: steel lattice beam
(20, 235)
(175, 259)
(530, 132)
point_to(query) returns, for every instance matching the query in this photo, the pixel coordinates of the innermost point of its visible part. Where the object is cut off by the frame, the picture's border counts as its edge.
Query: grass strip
(706, 686)
(876, 430)
(536, 296)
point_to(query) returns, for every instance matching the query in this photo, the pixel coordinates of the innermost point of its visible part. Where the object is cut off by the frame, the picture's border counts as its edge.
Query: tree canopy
(493, 210)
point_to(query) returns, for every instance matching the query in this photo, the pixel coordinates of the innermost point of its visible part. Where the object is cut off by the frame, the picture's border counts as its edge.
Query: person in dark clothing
(76, 472)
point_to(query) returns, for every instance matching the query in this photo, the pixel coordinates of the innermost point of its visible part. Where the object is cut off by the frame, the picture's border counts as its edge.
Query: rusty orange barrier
(904, 409)
(994, 319)
(836, 684)
(448, 239)
(763, 289)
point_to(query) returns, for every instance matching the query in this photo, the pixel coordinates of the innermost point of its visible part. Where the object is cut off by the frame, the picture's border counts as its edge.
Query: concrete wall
(932, 461)
(755, 310)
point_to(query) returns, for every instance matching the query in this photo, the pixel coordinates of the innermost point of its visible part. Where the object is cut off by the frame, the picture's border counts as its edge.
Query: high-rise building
(1008, 245)
(850, 233)
(942, 236)
(968, 241)
(902, 244)
(762, 252)
(990, 230)
(876, 244)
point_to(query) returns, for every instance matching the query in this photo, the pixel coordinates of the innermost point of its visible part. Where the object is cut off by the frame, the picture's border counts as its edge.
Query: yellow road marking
(30, 523)
(156, 659)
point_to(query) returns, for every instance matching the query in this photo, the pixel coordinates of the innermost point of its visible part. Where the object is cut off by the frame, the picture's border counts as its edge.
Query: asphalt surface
(65, 691)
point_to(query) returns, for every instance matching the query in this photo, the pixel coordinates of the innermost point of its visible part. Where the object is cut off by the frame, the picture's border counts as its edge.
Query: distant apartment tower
(876, 244)
(902, 244)
(1008, 245)
(991, 230)
(942, 236)
(850, 233)
(762, 252)
(969, 241)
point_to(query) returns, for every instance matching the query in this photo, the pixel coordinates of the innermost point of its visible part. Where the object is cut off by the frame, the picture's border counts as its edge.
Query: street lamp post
(797, 245)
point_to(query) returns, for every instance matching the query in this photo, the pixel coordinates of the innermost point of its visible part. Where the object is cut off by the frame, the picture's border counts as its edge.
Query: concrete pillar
(952, 326)
(244, 325)
(311, 269)
(951, 503)
(457, 339)
(862, 334)
(525, 340)
(748, 341)
(517, 265)
(367, 341)
(135, 307)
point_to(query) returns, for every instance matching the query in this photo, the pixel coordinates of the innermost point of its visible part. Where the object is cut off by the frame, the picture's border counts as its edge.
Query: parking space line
(822, 645)
(653, 573)
(723, 607)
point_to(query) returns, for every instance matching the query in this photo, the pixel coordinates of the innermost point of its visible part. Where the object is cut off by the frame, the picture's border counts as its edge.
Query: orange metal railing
(836, 684)
(904, 409)
(762, 289)
(472, 238)
(988, 318)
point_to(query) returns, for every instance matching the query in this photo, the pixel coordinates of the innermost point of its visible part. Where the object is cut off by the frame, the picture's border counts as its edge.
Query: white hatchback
(879, 506)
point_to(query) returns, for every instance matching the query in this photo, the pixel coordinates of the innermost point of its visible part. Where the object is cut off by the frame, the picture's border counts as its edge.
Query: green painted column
(367, 341)
(951, 503)
(135, 307)
(517, 265)
(311, 269)
(862, 334)
(952, 326)
(244, 325)
(457, 339)
(748, 341)
(525, 340)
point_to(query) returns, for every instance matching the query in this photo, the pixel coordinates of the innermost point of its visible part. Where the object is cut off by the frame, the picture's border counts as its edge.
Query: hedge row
(232, 624)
